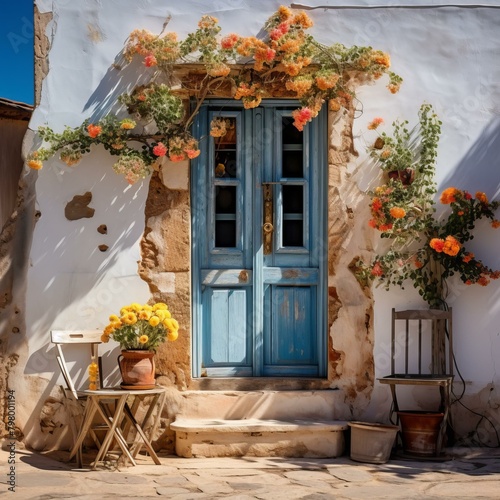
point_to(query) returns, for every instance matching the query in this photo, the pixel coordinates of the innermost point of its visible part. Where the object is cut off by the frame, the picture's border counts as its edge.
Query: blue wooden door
(259, 252)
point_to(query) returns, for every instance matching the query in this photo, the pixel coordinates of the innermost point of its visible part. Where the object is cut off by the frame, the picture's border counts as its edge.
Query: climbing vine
(287, 62)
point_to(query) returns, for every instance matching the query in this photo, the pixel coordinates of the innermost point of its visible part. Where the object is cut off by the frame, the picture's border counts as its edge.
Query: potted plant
(393, 154)
(140, 330)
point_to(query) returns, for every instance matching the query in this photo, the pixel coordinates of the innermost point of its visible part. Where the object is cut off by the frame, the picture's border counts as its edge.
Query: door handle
(267, 227)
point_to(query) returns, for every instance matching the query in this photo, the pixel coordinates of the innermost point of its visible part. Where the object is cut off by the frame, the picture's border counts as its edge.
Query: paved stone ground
(470, 473)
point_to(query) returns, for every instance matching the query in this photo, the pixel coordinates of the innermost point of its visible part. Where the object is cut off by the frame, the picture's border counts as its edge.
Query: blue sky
(16, 50)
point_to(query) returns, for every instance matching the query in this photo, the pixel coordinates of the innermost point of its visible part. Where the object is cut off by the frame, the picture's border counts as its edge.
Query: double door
(259, 252)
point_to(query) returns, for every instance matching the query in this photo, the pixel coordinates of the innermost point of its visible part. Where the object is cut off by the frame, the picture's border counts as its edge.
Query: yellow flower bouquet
(142, 327)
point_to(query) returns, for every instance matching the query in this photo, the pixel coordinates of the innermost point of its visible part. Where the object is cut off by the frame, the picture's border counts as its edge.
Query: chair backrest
(88, 338)
(422, 329)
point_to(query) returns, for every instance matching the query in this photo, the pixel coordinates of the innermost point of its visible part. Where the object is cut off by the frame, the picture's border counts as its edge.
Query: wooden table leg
(90, 410)
(112, 432)
(115, 432)
(141, 433)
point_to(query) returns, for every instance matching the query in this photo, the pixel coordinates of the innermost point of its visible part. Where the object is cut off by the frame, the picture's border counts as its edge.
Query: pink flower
(270, 53)
(160, 149)
(301, 117)
(278, 32)
(377, 269)
(150, 60)
(229, 41)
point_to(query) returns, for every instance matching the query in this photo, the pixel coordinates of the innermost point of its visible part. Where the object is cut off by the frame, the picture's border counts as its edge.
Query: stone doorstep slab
(257, 425)
(256, 437)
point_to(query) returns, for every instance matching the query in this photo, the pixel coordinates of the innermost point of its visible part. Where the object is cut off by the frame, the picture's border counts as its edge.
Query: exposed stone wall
(350, 308)
(165, 265)
(41, 50)
(15, 244)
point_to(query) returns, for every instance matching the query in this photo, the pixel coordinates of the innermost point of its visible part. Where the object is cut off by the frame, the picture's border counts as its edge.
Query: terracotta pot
(405, 176)
(420, 431)
(137, 369)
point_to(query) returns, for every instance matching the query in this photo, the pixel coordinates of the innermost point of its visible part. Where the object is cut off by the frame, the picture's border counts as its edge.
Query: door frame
(318, 145)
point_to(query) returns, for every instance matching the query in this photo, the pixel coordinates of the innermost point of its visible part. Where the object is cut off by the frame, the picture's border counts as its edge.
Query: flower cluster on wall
(423, 249)
(287, 62)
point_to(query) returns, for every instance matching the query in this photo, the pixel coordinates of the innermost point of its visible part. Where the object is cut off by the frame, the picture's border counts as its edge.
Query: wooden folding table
(118, 415)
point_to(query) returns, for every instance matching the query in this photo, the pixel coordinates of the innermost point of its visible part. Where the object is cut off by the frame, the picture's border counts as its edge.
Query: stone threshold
(259, 437)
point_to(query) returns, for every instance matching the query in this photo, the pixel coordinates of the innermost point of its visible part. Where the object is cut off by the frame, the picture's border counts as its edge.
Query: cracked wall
(350, 308)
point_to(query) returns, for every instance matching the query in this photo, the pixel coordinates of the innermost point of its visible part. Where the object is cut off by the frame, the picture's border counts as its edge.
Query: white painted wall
(448, 56)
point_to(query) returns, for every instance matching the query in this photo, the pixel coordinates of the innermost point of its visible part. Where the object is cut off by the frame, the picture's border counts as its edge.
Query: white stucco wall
(448, 56)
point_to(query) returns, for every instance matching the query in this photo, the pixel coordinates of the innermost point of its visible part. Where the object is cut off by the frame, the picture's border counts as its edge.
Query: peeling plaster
(78, 207)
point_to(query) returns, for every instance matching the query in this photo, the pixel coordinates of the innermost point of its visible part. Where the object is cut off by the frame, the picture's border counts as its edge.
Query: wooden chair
(422, 355)
(108, 403)
(90, 339)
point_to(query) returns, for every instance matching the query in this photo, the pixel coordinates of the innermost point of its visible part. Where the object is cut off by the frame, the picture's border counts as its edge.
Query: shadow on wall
(478, 169)
(121, 77)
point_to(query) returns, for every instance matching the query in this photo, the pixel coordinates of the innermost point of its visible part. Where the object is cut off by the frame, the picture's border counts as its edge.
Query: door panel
(259, 302)
(292, 325)
(230, 344)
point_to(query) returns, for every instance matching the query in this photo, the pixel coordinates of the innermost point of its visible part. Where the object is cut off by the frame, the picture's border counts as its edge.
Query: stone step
(260, 404)
(259, 437)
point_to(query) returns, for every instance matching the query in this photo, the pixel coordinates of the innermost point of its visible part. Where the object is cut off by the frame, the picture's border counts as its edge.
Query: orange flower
(176, 157)
(94, 130)
(300, 85)
(327, 81)
(393, 88)
(468, 257)
(418, 264)
(35, 164)
(192, 153)
(437, 244)
(483, 280)
(451, 246)
(333, 105)
(495, 224)
(397, 212)
(385, 154)
(219, 69)
(481, 197)
(376, 204)
(303, 20)
(379, 57)
(375, 123)
(449, 195)
(372, 223)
